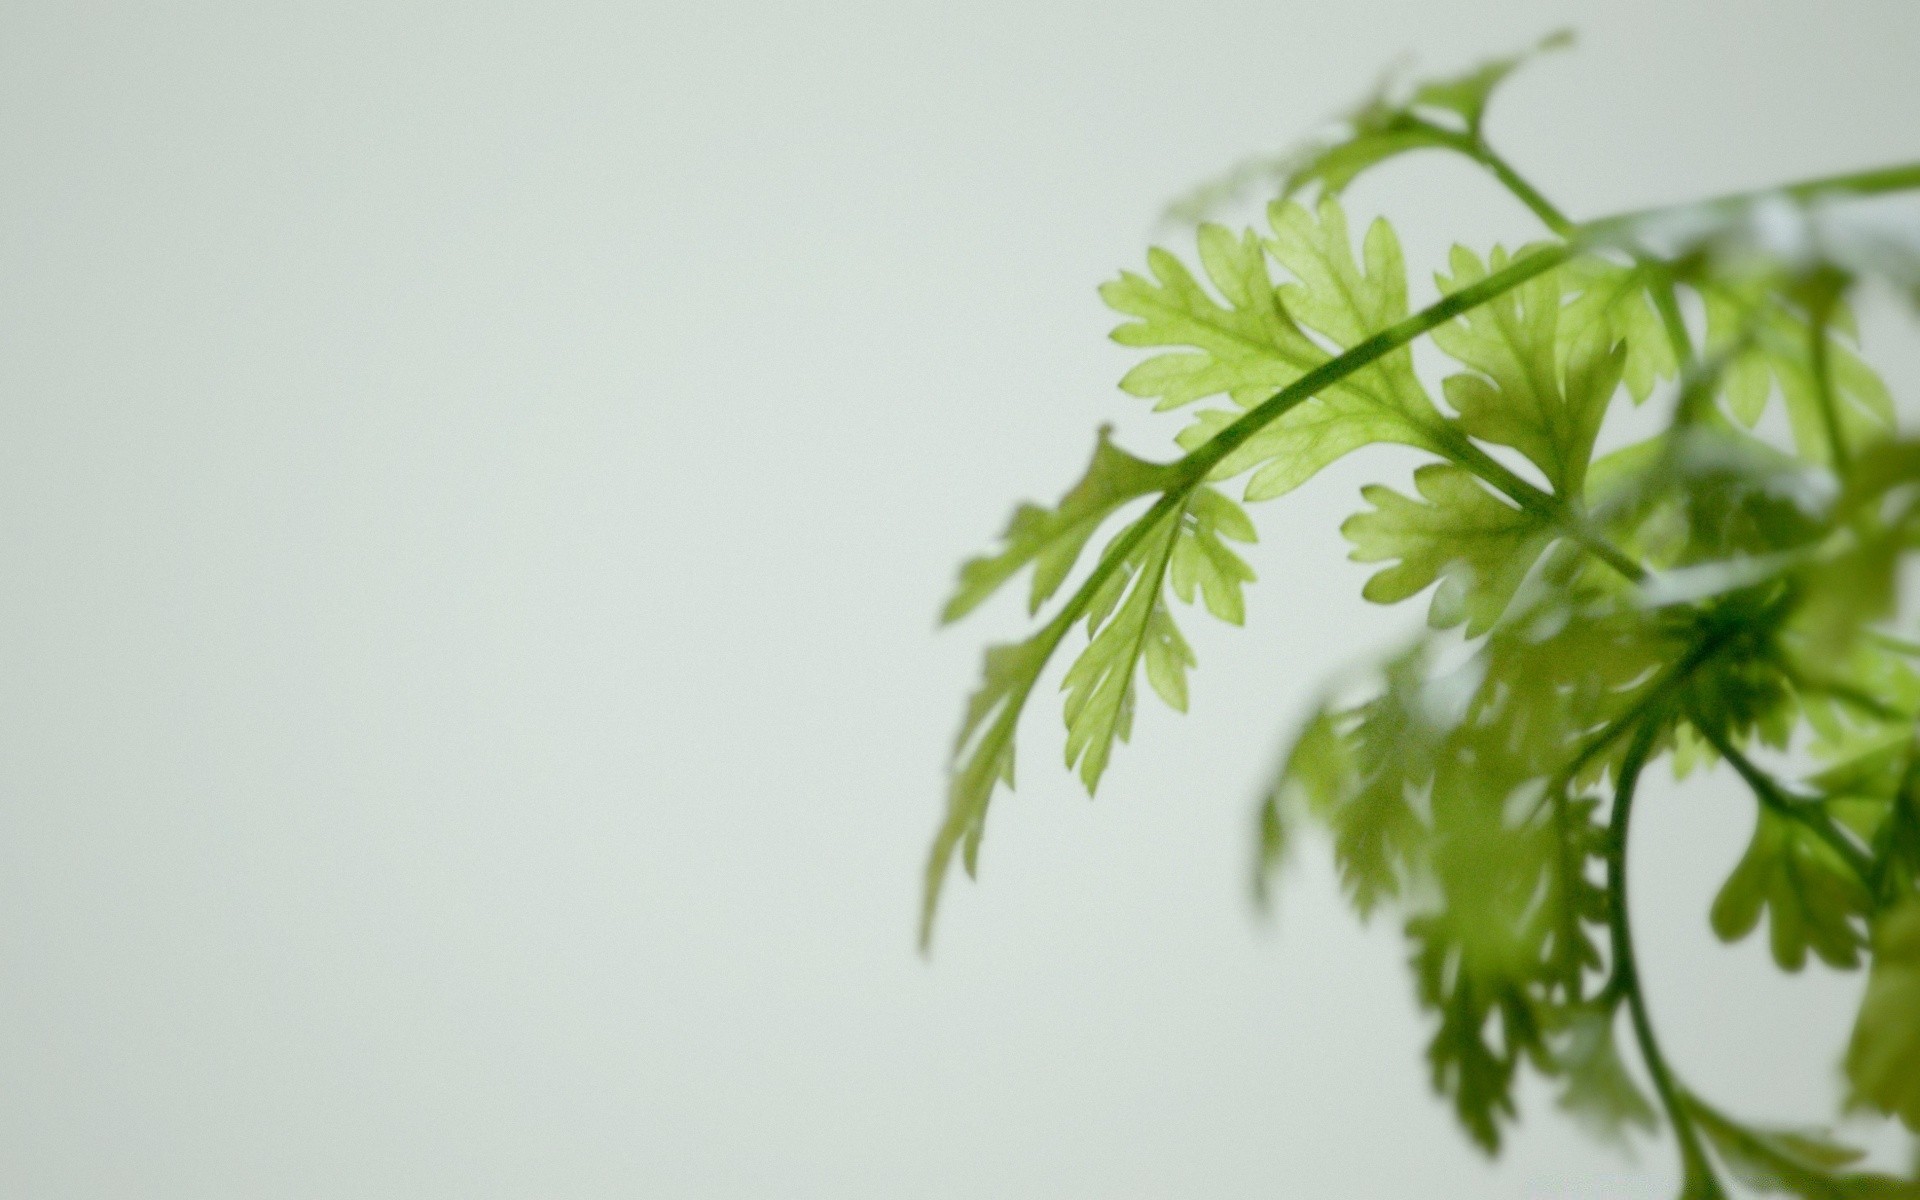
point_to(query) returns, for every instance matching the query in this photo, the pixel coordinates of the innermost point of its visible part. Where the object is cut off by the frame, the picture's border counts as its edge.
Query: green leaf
(1480, 545)
(1127, 623)
(1611, 303)
(1482, 949)
(1317, 774)
(1345, 301)
(1599, 1093)
(1811, 895)
(1202, 559)
(1130, 626)
(1798, 1162)
(1883, 1058)
(1365, 790)
(1467, 94)
(1247, 348)
(1522, 394)
(983, 757)
(1052, 539)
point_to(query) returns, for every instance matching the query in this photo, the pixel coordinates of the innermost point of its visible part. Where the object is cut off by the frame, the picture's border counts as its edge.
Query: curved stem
(1471, 145)
(1700, 1181)
(1525, 192)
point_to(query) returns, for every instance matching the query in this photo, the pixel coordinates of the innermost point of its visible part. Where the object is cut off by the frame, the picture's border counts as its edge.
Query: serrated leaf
(1317, 774)
(1883, 1058)
(1481, 546)
(1481, 948)
(1344, 301)
(1811, 896)
(1126, 625)
(1247, 347)
(1203, 560)
(1611, 303)
(1467, 94)
(1359, 770)
(983, 758)
(1052, 539)
(1131, 627)
(1521, 392)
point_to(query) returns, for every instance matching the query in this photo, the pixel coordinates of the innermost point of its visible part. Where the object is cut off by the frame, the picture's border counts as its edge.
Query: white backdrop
(475, 484)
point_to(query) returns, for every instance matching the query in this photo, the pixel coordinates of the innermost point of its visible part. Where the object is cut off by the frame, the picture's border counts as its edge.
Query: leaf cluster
(1724, 594)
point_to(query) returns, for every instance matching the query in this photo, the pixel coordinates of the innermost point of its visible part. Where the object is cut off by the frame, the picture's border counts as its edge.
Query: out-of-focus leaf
(1883, 1059)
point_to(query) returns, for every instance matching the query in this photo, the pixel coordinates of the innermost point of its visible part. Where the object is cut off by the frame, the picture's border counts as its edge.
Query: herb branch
(1704, 591)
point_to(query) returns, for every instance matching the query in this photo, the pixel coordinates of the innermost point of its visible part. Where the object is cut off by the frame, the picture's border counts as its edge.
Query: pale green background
(475, 483)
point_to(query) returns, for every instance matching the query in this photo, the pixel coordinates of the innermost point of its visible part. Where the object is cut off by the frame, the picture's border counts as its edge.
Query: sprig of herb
(1692, 595)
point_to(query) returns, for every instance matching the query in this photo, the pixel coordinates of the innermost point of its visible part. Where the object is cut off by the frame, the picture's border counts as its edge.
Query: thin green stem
(1471, 145)
(1525, 192)
(1666, 302)
(1551, 508)
(1700, 1180)
(1875, 182)
(1657, 695)
(1823, 293)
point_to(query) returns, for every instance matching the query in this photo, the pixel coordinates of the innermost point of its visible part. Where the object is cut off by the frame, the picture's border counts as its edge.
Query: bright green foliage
(1610, 306)
(1707, 590)
(1481, 953)
(1482, 545)
(1262, 338)
(1129, 624)
(1524, 395)
(1052, 538)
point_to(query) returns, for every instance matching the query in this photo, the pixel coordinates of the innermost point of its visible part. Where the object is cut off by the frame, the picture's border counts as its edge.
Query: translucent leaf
(1053, 538)
(1100, 683)
(1521, 393)
(983, 758)
(1480, 545)
(1247, 347)
(1202, 559)
(1259, 337)
(1610, 304)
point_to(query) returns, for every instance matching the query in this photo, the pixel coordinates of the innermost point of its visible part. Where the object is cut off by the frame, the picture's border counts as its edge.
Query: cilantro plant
(1726, 591)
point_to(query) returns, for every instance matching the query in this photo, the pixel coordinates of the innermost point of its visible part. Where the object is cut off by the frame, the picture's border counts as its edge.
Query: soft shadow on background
(475, 485)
